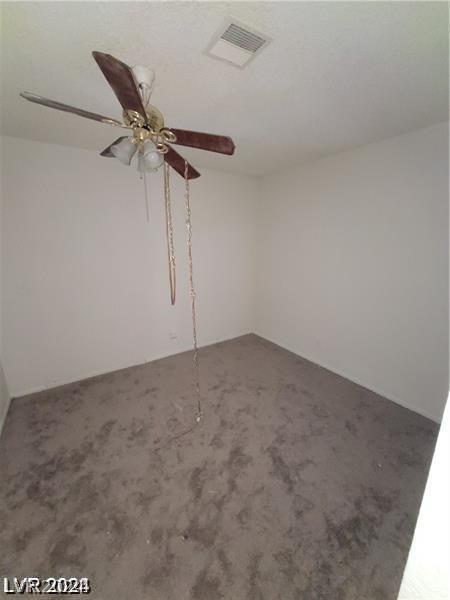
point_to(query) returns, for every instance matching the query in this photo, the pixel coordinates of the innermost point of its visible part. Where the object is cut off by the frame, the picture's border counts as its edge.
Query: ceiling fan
(150, 137)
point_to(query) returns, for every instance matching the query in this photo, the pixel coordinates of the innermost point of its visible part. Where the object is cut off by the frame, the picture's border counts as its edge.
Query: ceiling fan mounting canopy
(133, 88)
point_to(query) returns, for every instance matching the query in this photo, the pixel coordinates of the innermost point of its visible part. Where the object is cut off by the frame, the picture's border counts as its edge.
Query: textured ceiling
(337, 75)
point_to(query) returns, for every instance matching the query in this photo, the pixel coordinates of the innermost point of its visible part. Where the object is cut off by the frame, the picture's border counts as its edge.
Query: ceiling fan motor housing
(155, 118)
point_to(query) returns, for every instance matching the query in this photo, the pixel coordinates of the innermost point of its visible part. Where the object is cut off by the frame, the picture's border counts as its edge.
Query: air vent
(242, 38)
(236, 43)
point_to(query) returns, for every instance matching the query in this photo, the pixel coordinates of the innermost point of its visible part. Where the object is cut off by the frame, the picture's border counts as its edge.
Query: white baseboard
(187, 347)
(356, 380)
(118, 367)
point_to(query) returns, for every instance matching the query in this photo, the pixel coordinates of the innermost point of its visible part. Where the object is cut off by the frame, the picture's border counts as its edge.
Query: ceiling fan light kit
(150, 139)
(124, 150)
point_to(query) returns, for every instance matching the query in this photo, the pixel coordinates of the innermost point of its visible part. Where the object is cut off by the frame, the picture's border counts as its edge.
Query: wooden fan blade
(70, 109)
(107, 151)
(120, 77)
(176, 161)
(204, 141)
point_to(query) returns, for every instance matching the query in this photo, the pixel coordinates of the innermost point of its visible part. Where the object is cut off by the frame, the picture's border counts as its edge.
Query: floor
(298, 485)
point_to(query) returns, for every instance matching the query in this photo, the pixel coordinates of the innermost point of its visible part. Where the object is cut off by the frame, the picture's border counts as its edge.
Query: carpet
(298, 485)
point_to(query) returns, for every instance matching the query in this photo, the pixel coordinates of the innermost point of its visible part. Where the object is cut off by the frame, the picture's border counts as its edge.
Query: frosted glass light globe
(151, 157)
(124, 150)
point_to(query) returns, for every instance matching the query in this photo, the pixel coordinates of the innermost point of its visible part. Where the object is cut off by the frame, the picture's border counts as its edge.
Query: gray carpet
(298, 485)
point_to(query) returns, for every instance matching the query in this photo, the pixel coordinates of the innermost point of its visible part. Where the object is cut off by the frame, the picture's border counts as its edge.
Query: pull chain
(147, 209)
(192, 292)
(169, 235)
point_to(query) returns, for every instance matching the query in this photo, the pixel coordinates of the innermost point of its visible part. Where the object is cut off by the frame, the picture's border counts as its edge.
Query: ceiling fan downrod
(145, 79)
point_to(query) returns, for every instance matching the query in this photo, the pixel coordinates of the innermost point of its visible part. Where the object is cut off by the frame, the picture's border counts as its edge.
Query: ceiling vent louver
(236, 43)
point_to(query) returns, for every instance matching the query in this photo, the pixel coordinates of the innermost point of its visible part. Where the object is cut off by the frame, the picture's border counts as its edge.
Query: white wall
(4, 393)
(85, 276)
(427, 576)
(349, 255)
(353, 255)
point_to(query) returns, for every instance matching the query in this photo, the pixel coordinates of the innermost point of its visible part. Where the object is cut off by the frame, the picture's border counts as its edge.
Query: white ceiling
(337, 75)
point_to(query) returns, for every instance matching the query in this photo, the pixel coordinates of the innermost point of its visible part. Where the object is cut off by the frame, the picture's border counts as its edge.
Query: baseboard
(353, 379)
(211, 341)
(119, 367)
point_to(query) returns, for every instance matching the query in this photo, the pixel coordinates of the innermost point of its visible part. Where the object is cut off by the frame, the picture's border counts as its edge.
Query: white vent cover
(236, 43)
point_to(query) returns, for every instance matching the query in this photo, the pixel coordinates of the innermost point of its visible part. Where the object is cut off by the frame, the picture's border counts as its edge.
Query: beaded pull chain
(192, 292)
(169, 235)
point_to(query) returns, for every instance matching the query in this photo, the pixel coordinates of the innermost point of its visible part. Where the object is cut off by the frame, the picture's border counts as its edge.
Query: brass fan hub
(140, 134)
(155, 118)
(152, 129)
